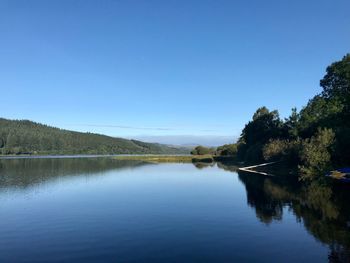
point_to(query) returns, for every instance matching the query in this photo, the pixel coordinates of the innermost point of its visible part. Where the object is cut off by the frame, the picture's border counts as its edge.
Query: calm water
(104, 210)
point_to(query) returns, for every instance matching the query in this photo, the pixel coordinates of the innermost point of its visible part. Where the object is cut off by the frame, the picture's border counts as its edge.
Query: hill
(28, 137)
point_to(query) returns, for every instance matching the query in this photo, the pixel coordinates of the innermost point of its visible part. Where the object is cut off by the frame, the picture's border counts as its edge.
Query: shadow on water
(322, 207)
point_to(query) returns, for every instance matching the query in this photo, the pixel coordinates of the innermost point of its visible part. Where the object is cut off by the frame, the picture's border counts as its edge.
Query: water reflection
(323, 208)
(201, 165)
(23, 173)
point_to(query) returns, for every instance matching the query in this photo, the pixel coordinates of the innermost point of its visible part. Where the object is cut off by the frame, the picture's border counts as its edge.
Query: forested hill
(24, 137)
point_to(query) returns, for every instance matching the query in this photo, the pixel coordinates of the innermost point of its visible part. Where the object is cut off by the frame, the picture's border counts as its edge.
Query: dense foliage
(316, 138)
(227, 150)
(22, 136)
(202, 150)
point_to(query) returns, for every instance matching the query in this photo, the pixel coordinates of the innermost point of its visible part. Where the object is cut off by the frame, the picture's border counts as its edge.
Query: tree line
(316, 138)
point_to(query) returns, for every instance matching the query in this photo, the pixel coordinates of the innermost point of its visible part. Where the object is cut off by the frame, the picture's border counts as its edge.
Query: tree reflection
(23, 173)
(323, 208)
(201, 165)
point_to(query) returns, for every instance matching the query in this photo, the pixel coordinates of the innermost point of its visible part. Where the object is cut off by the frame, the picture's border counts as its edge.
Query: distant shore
(153, 158)
(168, 158)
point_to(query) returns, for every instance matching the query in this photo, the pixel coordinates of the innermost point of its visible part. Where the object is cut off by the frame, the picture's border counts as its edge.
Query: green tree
(319, 112)
(265, 125)
(290, 127)
(336, 82)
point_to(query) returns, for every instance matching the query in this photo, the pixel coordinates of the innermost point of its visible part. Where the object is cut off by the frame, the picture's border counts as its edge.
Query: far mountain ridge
(28, 137)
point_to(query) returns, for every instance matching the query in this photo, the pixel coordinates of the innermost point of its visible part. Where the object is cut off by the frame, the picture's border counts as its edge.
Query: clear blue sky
(164, 68)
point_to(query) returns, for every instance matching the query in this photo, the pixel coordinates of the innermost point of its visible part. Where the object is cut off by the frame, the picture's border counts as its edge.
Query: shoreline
(48, 156)
(155, 158)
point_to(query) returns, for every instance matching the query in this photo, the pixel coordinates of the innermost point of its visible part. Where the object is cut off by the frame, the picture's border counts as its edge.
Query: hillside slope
(24, 136)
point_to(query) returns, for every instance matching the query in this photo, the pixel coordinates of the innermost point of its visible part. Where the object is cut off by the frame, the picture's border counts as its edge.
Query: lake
(106, 210)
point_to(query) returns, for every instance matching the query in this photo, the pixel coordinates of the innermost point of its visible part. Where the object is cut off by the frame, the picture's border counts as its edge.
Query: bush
(275, 150)
(282, 150)
(316, 154)
(201, 150)
(227, 150)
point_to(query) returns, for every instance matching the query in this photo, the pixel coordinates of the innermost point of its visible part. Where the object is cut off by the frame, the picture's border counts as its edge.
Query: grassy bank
(168, 158)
